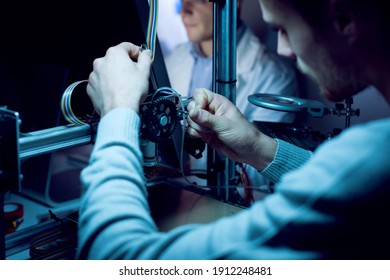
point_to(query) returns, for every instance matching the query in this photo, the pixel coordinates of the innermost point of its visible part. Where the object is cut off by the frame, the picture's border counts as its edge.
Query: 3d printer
(33, 132)
(161, 114)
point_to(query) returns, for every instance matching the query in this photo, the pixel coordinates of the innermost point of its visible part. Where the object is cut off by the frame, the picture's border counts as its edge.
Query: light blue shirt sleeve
(333, 206)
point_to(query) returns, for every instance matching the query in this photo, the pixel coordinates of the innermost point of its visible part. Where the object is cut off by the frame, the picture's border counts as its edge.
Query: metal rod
(226, 49)
(224, 79)
(348, 112)
(2, 228)
(55, 139)
(215, 52)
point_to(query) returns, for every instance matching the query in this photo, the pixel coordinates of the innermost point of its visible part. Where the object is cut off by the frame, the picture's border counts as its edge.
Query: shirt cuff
(288, 157)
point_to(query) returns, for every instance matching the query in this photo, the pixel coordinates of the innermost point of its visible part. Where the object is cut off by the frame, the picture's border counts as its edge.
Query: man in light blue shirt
(330, 204)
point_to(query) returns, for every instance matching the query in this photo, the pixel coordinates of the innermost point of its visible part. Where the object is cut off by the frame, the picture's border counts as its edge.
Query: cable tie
(226, 82)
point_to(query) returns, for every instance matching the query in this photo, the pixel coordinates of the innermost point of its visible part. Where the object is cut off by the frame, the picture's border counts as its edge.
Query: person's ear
(344, 19)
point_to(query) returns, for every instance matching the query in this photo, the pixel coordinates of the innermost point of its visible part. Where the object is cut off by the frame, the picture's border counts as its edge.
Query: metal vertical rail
(222, 169)
(2, 228)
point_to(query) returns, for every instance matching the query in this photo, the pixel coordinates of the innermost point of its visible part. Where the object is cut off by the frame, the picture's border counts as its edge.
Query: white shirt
(258, 71)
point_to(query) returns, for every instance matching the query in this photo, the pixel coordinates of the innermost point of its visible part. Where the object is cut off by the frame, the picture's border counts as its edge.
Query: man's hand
(120, 78)
(220, 124)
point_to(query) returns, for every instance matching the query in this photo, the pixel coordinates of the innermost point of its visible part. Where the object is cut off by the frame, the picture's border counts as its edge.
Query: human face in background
(327, 59)
(197, 16)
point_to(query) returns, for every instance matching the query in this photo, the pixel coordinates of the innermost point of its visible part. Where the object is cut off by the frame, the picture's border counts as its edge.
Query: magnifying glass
(288, 104)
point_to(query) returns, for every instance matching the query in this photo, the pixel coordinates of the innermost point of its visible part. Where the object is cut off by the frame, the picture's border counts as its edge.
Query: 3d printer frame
(16, 147)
